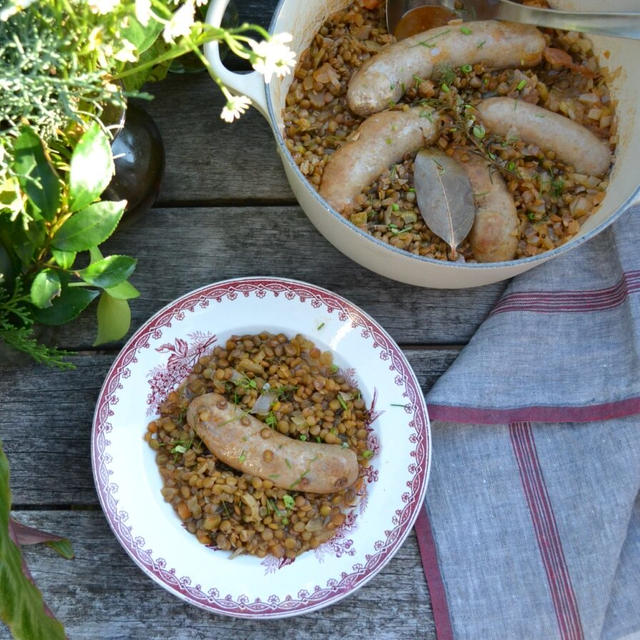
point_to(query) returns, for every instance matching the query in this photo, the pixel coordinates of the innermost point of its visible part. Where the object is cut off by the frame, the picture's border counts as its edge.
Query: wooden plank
(207, 159)
(182, 249)
(102, 594)
(46, 418)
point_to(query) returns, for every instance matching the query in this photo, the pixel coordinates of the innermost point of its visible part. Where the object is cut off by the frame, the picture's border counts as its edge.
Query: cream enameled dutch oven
(302, 20)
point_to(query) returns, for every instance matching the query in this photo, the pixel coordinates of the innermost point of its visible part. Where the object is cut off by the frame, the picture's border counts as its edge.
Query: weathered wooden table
(225, 210)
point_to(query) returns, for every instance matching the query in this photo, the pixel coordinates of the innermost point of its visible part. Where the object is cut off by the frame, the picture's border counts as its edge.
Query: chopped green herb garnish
(445, 87)
(466, 68)
(179, 448)
(285, 521)
(531, 216)
(334, 368)
(367, 453)
(395, 231)
(280, 392)
(247, 383)
(243, 456)
(345, 445)
(320, 326)
(481, 44)
(395, 207)
(557, 186)
(430, 43)
(411, 190)
(466, 31)
(521, 85)
(271, 420)
(226, 510)
(287, 462)
(303, 437)
(404, 406)
(274, 475)
(343, 404)
(511, 165)
(318, 439)
(289, 502)
(388, 140)
(478, 131)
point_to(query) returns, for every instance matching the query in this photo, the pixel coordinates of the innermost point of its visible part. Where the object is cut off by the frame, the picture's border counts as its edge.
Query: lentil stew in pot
(551, 193)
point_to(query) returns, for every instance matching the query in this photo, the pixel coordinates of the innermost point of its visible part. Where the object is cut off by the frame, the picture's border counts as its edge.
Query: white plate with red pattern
(159, 356)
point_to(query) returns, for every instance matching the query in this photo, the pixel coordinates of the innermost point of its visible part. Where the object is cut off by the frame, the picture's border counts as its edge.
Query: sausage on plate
(248, 445)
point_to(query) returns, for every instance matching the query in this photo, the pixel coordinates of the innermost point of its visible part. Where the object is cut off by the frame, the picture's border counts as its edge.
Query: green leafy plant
(64, 64)
(62, 221)
(22, 608)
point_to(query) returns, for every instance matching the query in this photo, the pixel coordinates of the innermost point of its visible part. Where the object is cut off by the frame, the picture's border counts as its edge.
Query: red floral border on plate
(273, 606)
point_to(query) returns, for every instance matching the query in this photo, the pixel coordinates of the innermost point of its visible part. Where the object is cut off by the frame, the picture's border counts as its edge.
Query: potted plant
(63, 65)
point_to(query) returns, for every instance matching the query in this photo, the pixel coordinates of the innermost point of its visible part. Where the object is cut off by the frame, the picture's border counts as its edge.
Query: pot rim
(576, 241)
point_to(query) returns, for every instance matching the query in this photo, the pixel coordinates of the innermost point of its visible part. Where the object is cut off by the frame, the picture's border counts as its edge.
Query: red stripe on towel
(427, 547)
(570, 301)
(586, 413)
(544, 524)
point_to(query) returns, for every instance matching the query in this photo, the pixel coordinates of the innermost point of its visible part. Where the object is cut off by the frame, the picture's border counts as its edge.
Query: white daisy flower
(12, 8)
(273, 56)
(102, 6)
(127, 53)
(180, 23)
(143, 11)
(235, 107)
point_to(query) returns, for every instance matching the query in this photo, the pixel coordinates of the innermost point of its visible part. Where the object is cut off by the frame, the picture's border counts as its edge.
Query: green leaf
(70, 304)
(64, 259)
(91, 167)
(89, 227)
(22, 608)
(45, 287)
(26, 241)
(114, 319)
(62, 548)
(35, 173)
(95, 254)
(24, 535)
(108, 272)
(153, 73)
(139, 36)
(123, 291)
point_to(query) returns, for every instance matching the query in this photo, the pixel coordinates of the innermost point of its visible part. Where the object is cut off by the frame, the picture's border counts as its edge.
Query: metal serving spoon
(621, 24)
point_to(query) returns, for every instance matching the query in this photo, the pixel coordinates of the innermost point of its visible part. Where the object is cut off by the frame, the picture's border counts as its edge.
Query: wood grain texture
(180, 249)
(46, 418)
(102, 594)
(207, 159)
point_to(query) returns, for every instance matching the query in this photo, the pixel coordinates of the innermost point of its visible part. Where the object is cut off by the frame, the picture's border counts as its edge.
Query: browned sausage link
(385, 77)
(379, 141)
(494, 235)
(238, 439)
(571, 142)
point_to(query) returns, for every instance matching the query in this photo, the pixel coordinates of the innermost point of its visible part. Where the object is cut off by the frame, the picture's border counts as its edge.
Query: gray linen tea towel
(531, 526)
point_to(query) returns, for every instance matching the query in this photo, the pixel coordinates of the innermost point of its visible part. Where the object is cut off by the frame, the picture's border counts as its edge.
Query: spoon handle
(621, 25)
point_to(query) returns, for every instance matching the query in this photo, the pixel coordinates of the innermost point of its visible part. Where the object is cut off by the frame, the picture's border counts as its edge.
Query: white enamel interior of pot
(303, 19)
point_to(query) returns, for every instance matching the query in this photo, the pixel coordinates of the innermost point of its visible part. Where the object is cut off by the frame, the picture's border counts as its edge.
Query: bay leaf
(444, 195)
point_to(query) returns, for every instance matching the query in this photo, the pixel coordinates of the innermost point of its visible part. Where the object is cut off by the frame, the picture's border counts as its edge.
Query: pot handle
(250, 84)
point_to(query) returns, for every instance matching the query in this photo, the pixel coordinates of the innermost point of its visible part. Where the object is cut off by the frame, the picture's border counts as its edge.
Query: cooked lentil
(310, 399)
(551, 199)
